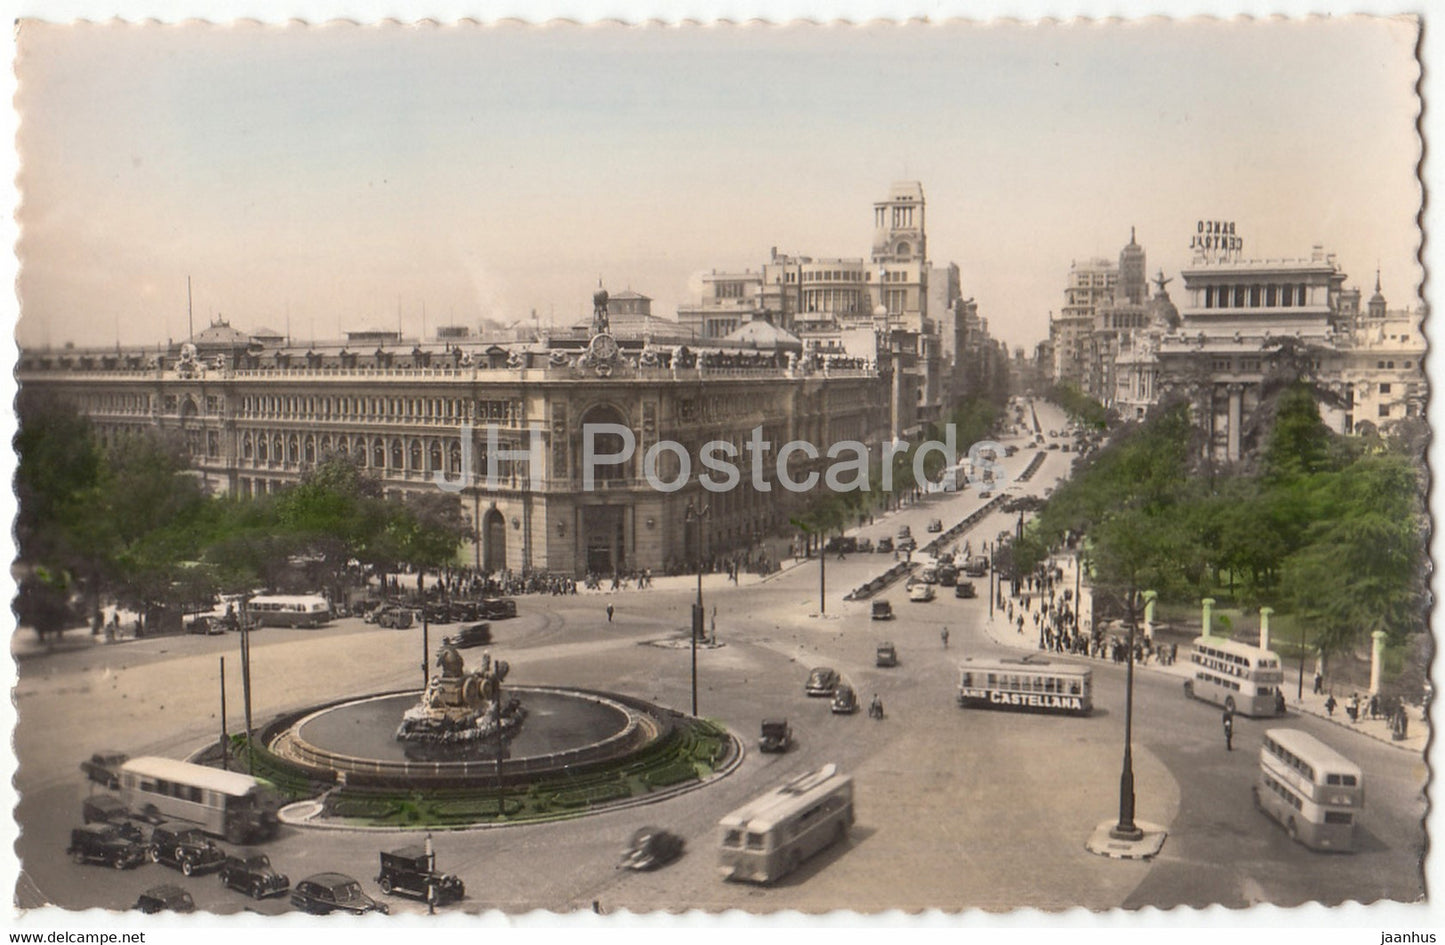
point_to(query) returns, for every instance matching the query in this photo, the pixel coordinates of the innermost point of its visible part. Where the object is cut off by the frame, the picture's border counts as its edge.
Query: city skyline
(317, 181)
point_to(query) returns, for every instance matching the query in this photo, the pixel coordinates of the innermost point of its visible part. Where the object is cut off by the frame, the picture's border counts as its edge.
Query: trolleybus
(770, 837)
(1029, 684)
(1313, 790)
(305, 610)
(223, 803)
(1240, 677)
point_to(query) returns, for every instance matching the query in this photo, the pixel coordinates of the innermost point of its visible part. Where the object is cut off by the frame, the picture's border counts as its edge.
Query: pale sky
(324, 178)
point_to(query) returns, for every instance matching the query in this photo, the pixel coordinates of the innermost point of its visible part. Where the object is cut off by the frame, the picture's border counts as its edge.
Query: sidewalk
(1417, 736)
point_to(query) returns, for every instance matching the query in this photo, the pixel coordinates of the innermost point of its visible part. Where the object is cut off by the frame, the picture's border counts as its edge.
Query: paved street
(956, 809)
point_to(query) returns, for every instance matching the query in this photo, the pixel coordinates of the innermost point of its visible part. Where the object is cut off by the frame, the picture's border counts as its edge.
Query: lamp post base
(1144, 845)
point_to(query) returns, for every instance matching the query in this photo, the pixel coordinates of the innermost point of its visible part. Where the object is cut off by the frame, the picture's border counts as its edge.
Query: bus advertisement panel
(1028, 684)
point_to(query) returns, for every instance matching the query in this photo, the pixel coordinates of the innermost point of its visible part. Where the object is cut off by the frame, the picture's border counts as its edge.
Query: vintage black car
(887, 654)
(935, 525)
(947, 575)
(845, 701)
(463, 610)
(499, 608)
(106, 844)
(882, 610)
(478, 634)
(163, 898)
(325, 893)
(776, 735)
(964, 589)
(413, 871)
(185, 848)
(884, 545)
(252, 874)
(821, 681)
(104, 768)
(438, 611)
(651, 847)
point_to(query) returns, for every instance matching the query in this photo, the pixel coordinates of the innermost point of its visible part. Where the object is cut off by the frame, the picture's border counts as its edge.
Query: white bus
(771, 836)
(1029, 684)
(223, 803)
(1240, 677)
(1313, 790)
(302, 610)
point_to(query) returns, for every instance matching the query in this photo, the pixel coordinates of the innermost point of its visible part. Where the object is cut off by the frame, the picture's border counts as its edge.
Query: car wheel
(117, 864)
(154, 854)
(1229, 704)
(186, 867)
(256, 891)
(77, 857)
(385, 883)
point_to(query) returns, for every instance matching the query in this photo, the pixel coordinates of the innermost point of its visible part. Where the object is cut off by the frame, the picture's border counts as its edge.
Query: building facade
(255, 418)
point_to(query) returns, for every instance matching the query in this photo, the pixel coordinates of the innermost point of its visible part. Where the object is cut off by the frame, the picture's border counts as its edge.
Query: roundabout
(567, 752)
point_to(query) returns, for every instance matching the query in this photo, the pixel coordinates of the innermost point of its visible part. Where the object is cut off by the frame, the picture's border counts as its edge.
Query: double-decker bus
(1240, 677)
(1028, 684)
(1313, 790)
(223, 803)
(301, 610)
(771, 836)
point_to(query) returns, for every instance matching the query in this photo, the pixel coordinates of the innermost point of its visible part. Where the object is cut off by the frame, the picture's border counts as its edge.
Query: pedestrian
(944, 636)
(1228, 730)
(1330, 704)
(1374, 706)
(1279, 703)
(1319, 681)
(1352, 708)
(609, 613)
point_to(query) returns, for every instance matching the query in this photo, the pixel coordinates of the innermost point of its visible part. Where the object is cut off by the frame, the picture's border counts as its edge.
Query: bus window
(755, 841)
(1339, 817)
(734, 838)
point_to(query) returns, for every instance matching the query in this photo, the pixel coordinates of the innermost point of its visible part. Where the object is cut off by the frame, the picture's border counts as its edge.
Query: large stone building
(893, 306)
(1246, 326)
(256, 416)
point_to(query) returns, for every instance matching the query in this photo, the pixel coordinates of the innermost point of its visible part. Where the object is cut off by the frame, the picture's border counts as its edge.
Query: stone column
(1235, 411)
(1264, 613)
(1377, 660)
(1149, 598)
(1208, 603)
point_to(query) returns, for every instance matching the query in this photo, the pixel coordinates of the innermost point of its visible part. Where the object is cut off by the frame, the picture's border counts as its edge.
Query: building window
(1384, 388)
(1384, 410)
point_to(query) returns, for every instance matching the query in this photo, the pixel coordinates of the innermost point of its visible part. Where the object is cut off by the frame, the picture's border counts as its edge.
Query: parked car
(882, 610)
(103, 767)
(252, 874)
(841, 544)
(986, 494)
(437, 611)
(935, 525)
(104, 809)
(478, 634)
(921, 593)
(865, 545)
(845, 701)
(776, 735)
(964, 589)
(887, 654)
(165, 898)
(412, 870)
(204, 624)
(822, 681)
(499, 608)
(185, 848)
(325, 893)
(394, 617)
(651, 847)
(885, 545)
(106, 844)
(466, 610)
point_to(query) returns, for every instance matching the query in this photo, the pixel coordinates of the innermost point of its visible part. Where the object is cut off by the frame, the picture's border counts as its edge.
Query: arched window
(610, 443)
(398, 458)
(415, 455)
(246, 447)
(435, 457)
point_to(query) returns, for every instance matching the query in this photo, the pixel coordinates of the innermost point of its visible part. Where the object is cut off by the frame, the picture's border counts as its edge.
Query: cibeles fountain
(470, 750)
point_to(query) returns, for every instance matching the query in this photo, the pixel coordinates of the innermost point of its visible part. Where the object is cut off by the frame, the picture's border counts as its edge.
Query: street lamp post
(1126, 829)
(696, 516)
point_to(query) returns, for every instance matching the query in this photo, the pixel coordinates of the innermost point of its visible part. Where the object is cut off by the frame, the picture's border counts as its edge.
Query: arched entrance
(603, 522)
(494, 541)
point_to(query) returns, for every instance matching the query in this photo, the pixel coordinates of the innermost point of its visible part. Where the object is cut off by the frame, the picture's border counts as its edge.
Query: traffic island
(1144, 846)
